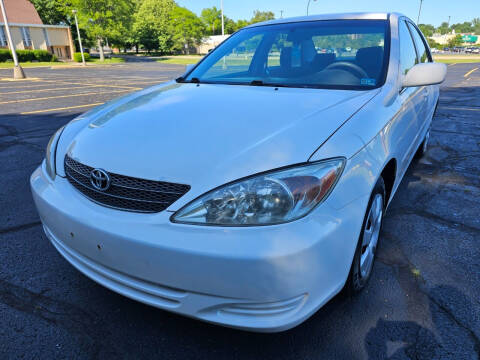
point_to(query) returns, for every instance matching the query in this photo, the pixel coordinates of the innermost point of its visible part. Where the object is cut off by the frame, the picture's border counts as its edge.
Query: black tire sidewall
(356, 283)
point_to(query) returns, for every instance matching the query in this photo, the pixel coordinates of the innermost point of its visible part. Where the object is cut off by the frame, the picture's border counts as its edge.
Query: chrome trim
(148, 197)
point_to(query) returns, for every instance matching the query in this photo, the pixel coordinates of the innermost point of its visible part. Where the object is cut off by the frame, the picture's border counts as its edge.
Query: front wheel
(423, 146)
(367, 244)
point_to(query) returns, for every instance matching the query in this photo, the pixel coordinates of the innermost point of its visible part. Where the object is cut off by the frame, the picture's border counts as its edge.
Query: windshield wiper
(261, 83)
(194, 80)
(257, 83)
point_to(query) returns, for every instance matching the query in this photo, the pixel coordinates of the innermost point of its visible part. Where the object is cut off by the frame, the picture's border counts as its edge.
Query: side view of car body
(251, 190)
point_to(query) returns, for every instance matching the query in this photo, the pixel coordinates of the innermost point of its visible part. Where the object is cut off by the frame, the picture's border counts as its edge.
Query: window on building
(3, 38)
(45, 35)
(27, 40)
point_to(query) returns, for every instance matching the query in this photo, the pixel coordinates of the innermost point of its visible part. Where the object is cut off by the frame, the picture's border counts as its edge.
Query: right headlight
(51, 153)
(270, 198)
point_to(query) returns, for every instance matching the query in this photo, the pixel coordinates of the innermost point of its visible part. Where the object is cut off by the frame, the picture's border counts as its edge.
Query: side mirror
(425, 74)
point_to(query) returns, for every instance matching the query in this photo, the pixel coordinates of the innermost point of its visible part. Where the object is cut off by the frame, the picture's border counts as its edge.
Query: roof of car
(339, 16)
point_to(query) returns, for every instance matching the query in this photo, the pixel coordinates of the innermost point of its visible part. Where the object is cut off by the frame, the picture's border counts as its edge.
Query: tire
(364, 257)
(422, 149)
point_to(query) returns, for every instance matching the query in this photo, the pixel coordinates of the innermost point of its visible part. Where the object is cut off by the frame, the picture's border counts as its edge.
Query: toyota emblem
(100, 179)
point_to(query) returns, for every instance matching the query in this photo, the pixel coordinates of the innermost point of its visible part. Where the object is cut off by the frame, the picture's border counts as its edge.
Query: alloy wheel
(371, 234)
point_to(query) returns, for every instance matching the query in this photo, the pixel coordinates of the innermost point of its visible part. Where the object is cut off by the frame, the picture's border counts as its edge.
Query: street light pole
(419, 10)
(223, 25)
(446, 33)
(17, 69)
(79, 37)
(308, 5)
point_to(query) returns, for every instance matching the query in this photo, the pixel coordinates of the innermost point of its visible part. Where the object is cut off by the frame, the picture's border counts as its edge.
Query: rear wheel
(367, 244)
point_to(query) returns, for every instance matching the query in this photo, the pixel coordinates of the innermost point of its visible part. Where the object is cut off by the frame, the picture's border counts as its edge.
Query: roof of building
(339, 16)
(21, 11)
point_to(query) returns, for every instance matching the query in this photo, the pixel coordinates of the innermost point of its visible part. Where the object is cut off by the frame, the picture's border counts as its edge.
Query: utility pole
(281, 14)
(17, 69)
(223, 25)
(79, 37)
(308, 5)
(448, 29)
(419, 10)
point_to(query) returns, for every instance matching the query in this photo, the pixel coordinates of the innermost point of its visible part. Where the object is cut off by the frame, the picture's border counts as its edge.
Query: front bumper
(267, 278)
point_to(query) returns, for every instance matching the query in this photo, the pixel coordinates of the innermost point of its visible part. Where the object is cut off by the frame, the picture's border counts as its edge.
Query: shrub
(43, 55)
(78, 56)
(25, 55)
(5, 55)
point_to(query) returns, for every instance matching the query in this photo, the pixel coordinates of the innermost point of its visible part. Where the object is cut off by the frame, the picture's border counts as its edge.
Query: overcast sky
(433, 11)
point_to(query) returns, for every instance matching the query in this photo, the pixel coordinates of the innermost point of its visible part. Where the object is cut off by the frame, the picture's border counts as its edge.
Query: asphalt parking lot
(422, 302)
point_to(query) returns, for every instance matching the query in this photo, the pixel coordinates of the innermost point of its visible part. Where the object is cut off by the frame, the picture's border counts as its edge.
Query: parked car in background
(252, 189)
(472, 50)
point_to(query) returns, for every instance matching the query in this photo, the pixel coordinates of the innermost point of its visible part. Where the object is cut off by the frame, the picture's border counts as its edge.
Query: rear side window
(423, 54)
(408, 55)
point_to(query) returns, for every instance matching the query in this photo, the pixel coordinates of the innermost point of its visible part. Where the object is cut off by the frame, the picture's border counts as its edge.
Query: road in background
(421, 302)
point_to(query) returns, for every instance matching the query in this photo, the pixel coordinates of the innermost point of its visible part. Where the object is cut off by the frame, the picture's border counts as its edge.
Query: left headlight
(51, 153)
(265, 199)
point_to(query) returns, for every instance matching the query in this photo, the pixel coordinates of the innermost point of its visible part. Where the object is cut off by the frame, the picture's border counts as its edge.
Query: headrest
(370, 59)
(369, 53)
(286, 57)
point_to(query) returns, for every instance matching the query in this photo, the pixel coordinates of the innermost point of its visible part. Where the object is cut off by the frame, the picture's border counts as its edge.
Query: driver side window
(408, 54)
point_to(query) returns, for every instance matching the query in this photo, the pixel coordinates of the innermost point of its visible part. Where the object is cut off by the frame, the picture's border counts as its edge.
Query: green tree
(186, 29)
(152, 25)
(212, 18)
(259, 16)
(466, 27)
(476, 26)
(101, 19)
(426, 29)
(230, 25)
(433, 44)
(443, 28)
(241, 24)
(50, 11)
(456, 41)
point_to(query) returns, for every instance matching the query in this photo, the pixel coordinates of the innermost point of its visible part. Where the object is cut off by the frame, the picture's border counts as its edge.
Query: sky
(433, 11)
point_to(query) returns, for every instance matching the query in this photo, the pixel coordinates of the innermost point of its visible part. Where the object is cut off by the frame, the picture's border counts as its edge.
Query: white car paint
(261, 278)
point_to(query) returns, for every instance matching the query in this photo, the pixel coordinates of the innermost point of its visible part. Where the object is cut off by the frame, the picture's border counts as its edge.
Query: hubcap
(371, 233)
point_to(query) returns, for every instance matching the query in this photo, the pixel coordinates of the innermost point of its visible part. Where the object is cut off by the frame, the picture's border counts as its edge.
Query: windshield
(339, 54)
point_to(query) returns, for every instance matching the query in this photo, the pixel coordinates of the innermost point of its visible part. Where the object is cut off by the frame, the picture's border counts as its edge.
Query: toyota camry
(251, 190)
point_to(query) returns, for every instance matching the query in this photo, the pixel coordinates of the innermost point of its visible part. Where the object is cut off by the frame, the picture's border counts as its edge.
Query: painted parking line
(19, 86)
(43, 90)
(61, 109)
(96, 85)
(459, 108)
(452, 64)
(61, 96)
(470, 72)
(19, 80)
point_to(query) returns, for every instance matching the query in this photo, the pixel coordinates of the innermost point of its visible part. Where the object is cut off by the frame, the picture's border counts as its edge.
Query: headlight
(51, 153)
(265, 199)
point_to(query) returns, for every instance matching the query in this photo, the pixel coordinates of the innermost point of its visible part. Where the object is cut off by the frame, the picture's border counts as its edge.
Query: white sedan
(251, 190)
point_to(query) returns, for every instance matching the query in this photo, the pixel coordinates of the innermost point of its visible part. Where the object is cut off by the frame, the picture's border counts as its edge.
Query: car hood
(206, 135)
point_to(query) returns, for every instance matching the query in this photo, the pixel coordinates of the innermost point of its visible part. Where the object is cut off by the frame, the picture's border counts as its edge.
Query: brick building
(28, 31)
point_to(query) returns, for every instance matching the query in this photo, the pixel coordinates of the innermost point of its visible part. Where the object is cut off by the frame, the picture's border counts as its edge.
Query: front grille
(125, 192)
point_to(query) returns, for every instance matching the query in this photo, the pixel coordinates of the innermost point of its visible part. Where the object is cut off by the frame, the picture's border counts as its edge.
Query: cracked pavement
(422, 301)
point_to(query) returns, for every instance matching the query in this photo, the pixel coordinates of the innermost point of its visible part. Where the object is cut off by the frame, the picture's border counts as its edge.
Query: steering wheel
(350, 67)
